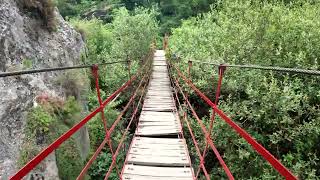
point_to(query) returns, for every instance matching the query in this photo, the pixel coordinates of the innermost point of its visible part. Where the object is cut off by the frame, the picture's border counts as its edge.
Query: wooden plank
(159, 120)
(147, 156)
(158, 128)
(161, 89)
(168, 123)
(162, 147)
(159, 114)
(141, 177)
(158, 123)
(158, 109)
(156, 153)
(154, 97)
(158, 133)
(151, 160)
(159, 140)
(155, 103)
(164, 120)
(158, 171)
(166, 92)
(168, 152)
(159, 105)
(158, 100)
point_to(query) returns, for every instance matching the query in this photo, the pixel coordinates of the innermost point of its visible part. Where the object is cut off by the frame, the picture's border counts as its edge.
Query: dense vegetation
(280, 110)
(171, 12)
(128, 37)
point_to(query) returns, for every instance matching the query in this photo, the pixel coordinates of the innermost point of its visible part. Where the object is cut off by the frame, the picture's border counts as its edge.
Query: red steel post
(221, 71)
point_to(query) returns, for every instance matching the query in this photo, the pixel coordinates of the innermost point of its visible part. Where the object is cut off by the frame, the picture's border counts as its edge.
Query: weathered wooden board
(160, 106)
(157, 123)
(157, 160)
(159, 114)
(142, 177)
(157, 171)
(158, 132)
(159, 140)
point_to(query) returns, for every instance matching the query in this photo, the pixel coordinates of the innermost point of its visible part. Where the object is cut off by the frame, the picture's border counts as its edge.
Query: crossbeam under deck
(158, 151)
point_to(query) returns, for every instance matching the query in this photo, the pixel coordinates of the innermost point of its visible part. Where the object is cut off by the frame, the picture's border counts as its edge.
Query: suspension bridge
(158, 149)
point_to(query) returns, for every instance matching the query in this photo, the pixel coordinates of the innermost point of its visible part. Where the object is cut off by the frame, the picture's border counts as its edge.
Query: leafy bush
(39, 122)
(276, 109)
(45, 123)
(134, 33)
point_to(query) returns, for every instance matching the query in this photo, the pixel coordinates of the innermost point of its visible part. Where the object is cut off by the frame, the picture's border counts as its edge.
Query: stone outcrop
(25, 40)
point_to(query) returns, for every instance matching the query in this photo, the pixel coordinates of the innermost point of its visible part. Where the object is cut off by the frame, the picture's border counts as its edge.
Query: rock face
(24, 39)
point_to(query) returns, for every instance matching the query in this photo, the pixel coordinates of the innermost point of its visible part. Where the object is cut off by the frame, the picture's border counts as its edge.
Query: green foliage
(133, 34)
(171, 11)
(68, 159)
(27, 64)
(47, 122)
(281, 111)
(101, 166)
(128, 37)
(96, 129)
(98, 38)
(39, 122)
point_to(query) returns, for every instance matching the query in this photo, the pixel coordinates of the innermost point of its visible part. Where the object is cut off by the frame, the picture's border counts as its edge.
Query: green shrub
(38, 122)
(69, 161)
(279, 110)
(27, 64)
(45, 123)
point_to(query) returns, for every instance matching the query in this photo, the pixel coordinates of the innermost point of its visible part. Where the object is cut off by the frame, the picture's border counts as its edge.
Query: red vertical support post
(95, 69)
(95, 73)
(221, 70)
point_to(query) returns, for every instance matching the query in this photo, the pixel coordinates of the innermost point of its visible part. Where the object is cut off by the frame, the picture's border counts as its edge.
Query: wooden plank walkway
(157, 151)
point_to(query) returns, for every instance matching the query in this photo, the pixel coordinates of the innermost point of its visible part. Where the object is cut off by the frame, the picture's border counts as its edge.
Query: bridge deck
(152, 155)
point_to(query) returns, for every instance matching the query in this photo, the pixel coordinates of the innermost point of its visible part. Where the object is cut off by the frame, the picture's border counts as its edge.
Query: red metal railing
(102, 104)
(276, 164)
(108, 132)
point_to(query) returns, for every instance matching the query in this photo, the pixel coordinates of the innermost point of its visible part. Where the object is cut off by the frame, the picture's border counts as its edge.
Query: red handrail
(276, 164)
(207, 136)
(44, 153)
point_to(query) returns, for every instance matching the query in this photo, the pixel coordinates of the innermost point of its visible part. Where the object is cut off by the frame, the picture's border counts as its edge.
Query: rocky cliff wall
(25, 40)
